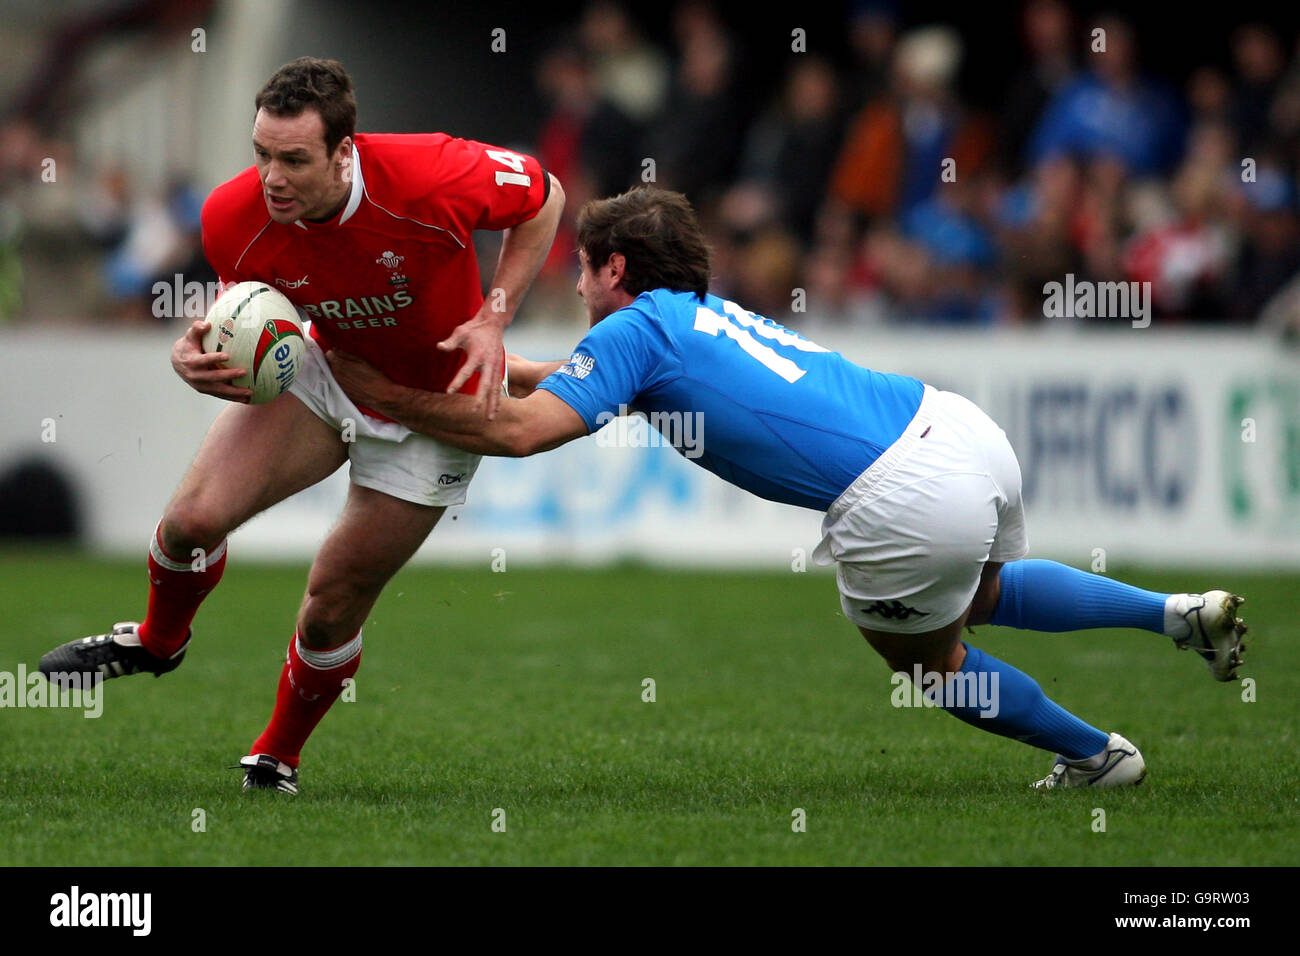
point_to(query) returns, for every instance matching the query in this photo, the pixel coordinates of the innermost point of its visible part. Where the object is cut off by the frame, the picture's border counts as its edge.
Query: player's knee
(987, 595)
(981, 608)
(319, 628)
(190, 524)
(331, 616)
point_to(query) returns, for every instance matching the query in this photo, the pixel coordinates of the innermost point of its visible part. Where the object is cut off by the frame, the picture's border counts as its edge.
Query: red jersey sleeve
(486, 187)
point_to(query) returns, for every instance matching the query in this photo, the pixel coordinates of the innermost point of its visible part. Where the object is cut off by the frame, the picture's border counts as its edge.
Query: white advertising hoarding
(1154, 447)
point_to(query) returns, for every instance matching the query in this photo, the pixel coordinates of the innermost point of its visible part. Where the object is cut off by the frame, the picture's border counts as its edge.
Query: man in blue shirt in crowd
(1113, 111)
(921, 489)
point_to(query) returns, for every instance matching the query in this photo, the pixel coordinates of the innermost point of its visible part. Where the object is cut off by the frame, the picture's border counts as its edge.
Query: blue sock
(1017, 708)
(1042, 595)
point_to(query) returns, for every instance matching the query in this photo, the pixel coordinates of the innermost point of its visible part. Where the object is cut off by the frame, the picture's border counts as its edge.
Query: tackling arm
(525, 374)
(523, 427)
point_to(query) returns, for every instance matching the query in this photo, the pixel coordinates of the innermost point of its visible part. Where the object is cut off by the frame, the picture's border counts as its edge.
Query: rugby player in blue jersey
(921, 489)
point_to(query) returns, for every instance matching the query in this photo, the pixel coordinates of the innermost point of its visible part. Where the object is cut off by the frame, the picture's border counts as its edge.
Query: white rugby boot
(1120, 765)
(1208, 624)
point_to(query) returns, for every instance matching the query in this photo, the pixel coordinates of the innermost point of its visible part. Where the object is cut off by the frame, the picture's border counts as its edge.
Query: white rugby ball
(260, 330)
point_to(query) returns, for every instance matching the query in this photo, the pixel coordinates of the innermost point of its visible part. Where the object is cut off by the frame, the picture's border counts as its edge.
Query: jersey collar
(354, 197)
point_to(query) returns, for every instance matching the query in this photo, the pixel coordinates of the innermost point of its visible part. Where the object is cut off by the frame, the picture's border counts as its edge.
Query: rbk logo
(451, 479)
(295, 284)
(894, 609)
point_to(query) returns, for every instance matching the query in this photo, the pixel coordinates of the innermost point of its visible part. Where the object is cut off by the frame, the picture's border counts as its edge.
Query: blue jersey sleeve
(623, 355)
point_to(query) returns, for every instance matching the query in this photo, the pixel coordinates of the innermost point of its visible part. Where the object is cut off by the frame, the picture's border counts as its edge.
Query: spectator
(791, 148)
(591, 147)
(696, 140)
(1112, 112)
(1257, 56)
(585, 137)
(959, 251)
(1188, 259)
(162, 239)
(1209, 95)
(630, 72)
(895, 146)
(873, 28)
(1270, 254)
(1047, 30)
(1037, 223)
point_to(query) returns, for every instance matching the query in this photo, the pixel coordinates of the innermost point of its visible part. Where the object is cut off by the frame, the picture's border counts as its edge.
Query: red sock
(176, 590)
(307, 689)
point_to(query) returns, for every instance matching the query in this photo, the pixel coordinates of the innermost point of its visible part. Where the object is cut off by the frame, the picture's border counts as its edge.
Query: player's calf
(987, 693)
(178, 583)
(937, 651)
(310, 682)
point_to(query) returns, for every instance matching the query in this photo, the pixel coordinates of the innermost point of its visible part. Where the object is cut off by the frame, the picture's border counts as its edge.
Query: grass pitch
(519, 697)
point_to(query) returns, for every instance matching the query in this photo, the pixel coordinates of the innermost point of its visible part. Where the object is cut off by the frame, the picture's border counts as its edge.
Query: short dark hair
(656, 231)
(312, 83)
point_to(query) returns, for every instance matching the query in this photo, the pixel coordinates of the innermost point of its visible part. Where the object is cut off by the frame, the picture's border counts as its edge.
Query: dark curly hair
(656, 231)
(312, 83)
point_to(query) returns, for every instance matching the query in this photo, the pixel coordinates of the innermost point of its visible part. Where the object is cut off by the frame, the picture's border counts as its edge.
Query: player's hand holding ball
(248, 349)
(206, 372)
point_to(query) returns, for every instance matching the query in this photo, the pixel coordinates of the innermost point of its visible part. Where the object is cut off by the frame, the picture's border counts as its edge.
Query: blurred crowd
(98, 248)
(869, 191)
(866, 190)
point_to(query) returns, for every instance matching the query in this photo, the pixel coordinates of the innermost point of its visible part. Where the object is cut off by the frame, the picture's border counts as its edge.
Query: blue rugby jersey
(778, 415)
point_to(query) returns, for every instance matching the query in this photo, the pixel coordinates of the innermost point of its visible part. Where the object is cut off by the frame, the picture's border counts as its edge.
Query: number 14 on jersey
(515, 162)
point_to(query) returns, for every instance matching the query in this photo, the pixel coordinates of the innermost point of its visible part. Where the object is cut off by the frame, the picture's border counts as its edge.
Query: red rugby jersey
(394, 272)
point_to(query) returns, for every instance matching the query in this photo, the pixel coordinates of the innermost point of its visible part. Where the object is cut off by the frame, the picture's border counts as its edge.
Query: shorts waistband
(890, 458)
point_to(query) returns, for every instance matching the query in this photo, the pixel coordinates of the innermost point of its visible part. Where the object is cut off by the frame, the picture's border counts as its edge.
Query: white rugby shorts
(386, 456)
(911, 535)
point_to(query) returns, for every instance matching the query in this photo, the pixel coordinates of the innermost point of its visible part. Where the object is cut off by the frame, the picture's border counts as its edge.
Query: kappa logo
(295, 284)
(390, 259)
(894, 610)
(451, 479)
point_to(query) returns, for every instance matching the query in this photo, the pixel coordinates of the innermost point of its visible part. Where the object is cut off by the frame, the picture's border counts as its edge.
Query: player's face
(595, 289)
(300, 180)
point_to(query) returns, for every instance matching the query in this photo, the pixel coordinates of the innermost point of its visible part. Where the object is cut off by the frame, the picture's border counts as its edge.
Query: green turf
(522, 691)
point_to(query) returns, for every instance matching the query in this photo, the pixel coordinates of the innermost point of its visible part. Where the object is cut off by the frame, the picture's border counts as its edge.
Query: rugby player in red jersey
(370, 236)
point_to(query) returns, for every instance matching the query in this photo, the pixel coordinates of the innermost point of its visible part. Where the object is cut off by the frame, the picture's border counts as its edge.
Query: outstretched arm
(523, 427)
(525, 374)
